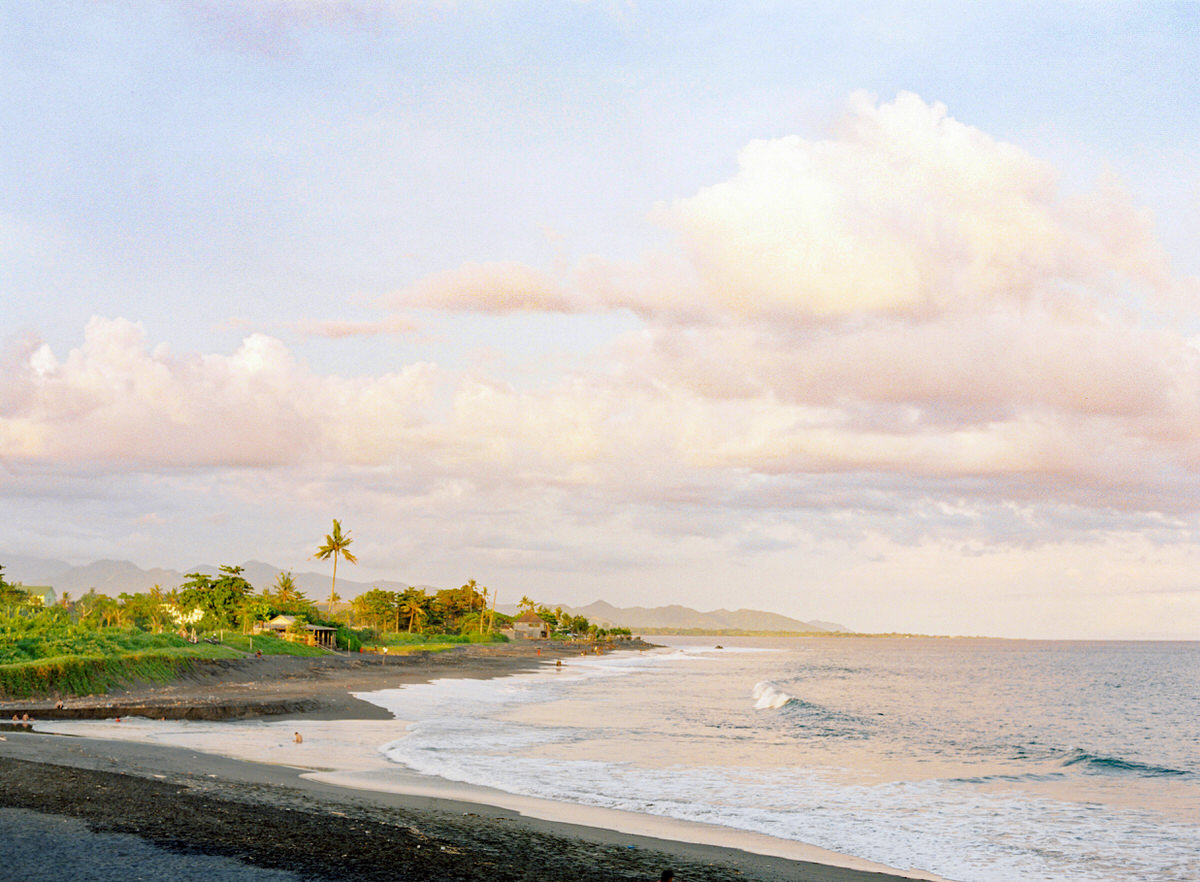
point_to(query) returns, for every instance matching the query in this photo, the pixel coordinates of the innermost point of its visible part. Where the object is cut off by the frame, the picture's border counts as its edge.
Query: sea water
(977, 760)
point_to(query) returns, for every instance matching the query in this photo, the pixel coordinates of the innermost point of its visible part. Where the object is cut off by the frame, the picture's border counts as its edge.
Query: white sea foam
(769, 696)
(930, 755)
(874, 767)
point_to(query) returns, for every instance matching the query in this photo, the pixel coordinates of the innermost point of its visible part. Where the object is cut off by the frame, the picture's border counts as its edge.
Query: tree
(456, 608)
(12, 594)
(286, 590)
(549, 616)
(337, 544)
(221, 599)
(287, 598)
(92, 607)
(145, 610)
(483, 609)
(377, 606)
(412, 605)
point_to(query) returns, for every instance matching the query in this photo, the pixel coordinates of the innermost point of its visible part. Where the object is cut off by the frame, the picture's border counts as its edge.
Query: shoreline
(544, 839)
(282, 685)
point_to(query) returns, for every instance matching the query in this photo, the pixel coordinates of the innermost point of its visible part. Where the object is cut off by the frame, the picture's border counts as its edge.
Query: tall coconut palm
(337, 544)
(412, 607)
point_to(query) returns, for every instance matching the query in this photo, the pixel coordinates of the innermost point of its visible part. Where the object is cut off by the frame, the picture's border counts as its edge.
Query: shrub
(349, 639)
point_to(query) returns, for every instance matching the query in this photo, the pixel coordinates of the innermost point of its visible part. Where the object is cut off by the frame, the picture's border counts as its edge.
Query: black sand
(199, 807)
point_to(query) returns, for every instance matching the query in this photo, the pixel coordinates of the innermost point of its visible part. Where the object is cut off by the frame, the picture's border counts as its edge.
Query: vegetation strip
(68, 647)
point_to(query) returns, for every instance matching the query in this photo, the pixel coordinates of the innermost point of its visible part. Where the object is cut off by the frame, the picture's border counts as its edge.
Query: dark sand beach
(132, 810)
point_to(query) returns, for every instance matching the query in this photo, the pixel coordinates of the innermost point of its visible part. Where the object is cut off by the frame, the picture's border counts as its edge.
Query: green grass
(89, 674)
(46, 653)
(23, 639)
(69, 659)
(403, 639)
(410, 648)
(270, 645)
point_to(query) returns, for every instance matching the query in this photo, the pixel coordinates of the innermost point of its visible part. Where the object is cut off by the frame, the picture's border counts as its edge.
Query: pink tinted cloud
(336, 329)
(500, 288)
(909, 298)
(114, 399)
(902, 212)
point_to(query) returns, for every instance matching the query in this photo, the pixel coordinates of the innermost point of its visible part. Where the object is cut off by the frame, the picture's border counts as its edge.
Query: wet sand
(190, 806)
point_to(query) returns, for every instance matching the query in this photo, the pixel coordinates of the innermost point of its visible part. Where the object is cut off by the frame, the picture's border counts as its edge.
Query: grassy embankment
(72, 659)
(66, 659)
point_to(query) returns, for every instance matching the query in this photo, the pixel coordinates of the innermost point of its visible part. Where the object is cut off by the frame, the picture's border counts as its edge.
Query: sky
(886, 314)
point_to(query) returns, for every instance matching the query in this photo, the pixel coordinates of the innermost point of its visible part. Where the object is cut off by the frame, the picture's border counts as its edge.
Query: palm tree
(287, 592)
(337, 544)
(157, 614)
(482, 606)
(412, 604)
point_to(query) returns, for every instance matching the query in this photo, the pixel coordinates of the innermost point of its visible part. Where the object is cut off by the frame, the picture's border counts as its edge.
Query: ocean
(975, 760)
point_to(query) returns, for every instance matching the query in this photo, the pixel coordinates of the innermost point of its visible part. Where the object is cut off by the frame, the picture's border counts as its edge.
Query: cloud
(903, 213)
(340, 329)
(495, 288)
(115, 400)
(907, 212)
(902, 316)
(910, 297)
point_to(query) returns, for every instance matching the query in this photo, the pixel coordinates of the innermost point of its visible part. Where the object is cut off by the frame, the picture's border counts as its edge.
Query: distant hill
(32, 570)
(682, 618)
(676, 617)
(114, 577)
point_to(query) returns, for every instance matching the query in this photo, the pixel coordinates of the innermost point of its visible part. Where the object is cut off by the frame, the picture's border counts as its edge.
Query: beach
(281, 818)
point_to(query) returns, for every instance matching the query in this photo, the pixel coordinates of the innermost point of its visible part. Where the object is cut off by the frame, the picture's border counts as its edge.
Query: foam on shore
(346, 753)
(397, 780)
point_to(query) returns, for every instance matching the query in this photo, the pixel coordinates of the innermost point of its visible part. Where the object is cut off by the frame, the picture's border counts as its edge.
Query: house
(286, 627)
(528, 627)
(42, 595)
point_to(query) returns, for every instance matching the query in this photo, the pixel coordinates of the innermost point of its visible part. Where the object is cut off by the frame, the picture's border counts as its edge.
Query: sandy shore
(192, 805)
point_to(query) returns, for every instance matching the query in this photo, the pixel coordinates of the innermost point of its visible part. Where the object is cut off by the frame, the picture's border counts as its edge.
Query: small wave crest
(768, 696)
(1091, 762)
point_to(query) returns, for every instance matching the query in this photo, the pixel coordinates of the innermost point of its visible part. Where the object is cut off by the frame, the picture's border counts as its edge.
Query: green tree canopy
(286, 598)
(379, 608)
(221, 598)
(414, 606)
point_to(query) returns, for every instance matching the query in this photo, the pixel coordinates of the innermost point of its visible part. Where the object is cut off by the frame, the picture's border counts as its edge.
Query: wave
(769, 696)
(1091, 762)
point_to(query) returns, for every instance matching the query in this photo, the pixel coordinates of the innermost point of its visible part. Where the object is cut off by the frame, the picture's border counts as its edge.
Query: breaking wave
(768, 696)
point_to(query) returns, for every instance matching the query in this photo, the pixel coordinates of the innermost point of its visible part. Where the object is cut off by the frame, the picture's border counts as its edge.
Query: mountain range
(676, 617)
(114, 577)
